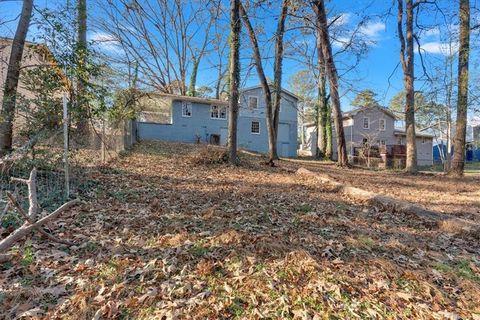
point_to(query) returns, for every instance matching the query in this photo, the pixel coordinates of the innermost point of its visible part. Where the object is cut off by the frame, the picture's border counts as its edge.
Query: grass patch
(464, 270)
(199, 251)
(305, 208)
(27, 256)
(366, 241)
(442, 267)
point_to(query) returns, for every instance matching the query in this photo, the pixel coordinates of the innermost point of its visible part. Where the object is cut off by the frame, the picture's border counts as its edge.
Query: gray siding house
(376, 125)
(201, 120)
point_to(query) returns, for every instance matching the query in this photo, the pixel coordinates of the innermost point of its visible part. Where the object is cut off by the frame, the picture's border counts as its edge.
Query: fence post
(65, 145)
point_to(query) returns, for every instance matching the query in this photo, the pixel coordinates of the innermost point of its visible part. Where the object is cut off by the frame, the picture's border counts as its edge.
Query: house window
(253, 102)
(255, 127)
(366, 123)
(382, 125)
(186, 109)
(218, 112)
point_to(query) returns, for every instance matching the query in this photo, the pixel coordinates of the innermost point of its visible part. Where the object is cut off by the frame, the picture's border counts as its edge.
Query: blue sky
(378, 69)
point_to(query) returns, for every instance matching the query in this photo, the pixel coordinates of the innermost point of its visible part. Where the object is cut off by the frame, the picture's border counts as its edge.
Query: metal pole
(65, 145)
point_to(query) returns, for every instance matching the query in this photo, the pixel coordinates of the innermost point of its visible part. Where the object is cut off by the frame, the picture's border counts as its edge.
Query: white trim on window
(186, 109)
(256, 102)
(380, 121)
(367, 123)
(255, 127)
(218, 112)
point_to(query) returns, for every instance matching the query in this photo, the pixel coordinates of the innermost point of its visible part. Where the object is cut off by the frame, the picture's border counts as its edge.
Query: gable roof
(260, 86)
(353, 112)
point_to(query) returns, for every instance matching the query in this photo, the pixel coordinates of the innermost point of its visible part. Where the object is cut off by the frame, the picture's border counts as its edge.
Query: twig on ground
(22, 212)
(30, 219)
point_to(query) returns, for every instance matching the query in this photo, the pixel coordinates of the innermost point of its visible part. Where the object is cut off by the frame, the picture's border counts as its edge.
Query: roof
(175, 97)
(283, 90)
(42, 48)
(28, 43)
(349, 114)
(401, 132)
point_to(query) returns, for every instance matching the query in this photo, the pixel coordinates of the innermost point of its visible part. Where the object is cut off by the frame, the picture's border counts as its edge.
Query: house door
(215, 139)
(283, 139)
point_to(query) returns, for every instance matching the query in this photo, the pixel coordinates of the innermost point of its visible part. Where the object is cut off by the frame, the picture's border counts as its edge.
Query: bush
(209, 155)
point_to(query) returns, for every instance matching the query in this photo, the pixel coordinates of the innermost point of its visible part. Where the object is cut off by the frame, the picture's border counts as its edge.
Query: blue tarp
(472, 154)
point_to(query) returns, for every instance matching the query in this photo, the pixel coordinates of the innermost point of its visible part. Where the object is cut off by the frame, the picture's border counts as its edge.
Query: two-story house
(376, 126)
(204, 120)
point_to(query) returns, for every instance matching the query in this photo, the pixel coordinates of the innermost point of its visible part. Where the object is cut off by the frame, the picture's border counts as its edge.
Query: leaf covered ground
(434, 191)
(169, 232)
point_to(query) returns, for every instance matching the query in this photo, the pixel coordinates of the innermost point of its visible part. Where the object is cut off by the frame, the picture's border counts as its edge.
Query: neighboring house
(204, 120)
(375, 126)
(472, 144)
(34, 56)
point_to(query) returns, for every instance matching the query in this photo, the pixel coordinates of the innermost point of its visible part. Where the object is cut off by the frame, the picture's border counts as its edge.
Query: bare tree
(458, 163)
(406, 59)
(162, 36)
(220, 47)
(198, 53)
(234, 77)
(7, 114)
(331, 71)
(272, 106)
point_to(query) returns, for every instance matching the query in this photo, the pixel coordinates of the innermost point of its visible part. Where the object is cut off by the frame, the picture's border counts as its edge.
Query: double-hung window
(255, 129)
(186, 109)
(218, 112)
(366, 123)
(382, 125)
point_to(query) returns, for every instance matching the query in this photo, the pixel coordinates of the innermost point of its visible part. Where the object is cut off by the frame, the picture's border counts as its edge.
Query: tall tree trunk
(406, 59)
(82, 81)
(321, 117)
(458, 163)
(277, 74)
(192, 91)
(7, 114)
(234, 76)
(449, 90)
(331, 70)
(318, 131)
(271, 111)
(327, 132)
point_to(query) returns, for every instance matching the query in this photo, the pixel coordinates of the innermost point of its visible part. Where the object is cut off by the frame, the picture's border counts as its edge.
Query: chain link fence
(59, 180)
